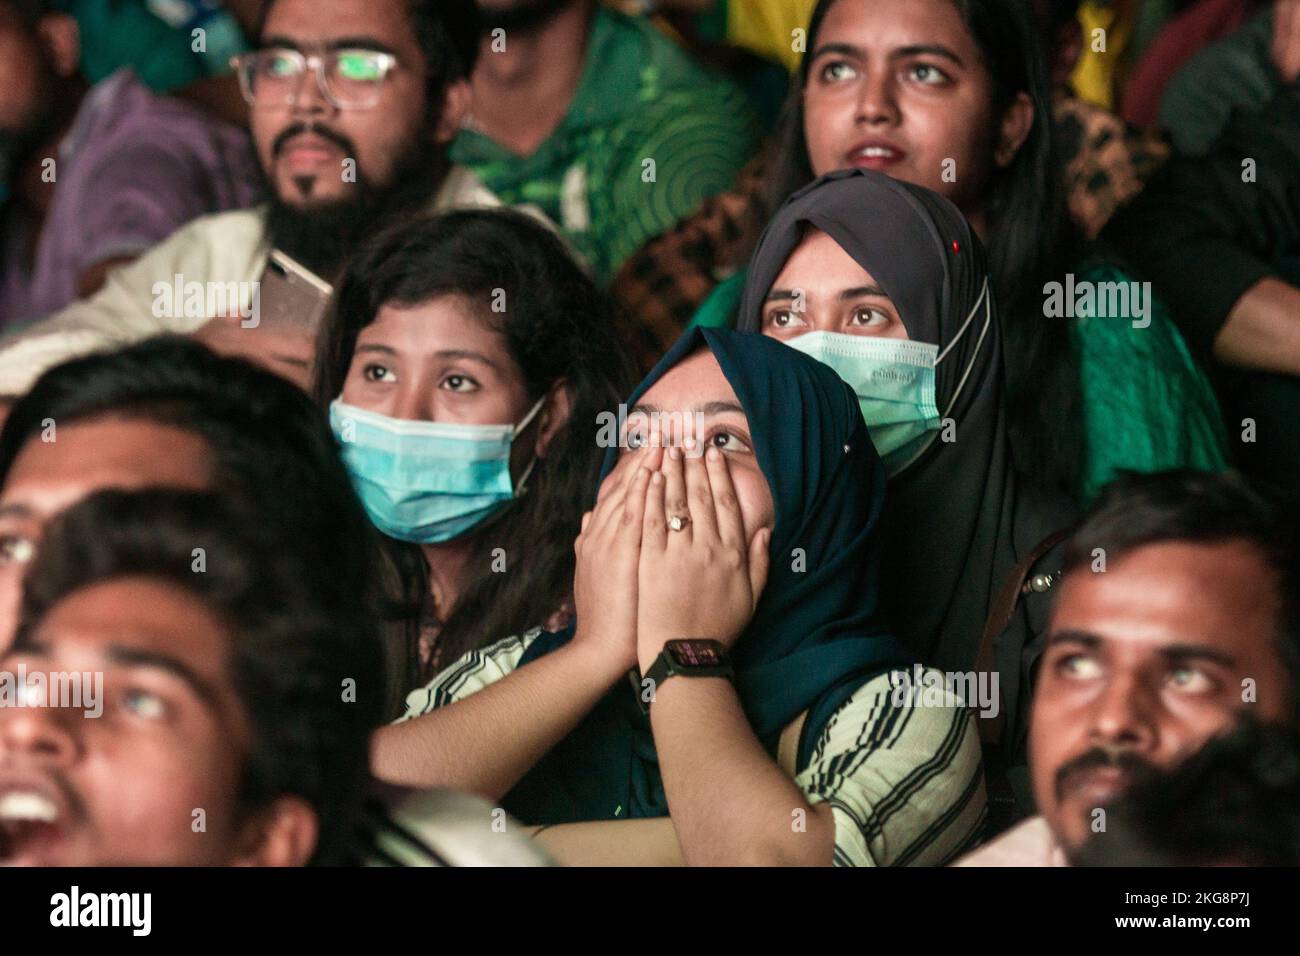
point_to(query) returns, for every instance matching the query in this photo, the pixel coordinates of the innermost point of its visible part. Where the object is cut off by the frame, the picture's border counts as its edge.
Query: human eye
(867, 317)
(635, 437)
(280, 63)
(144, 704)
(928, 74)
(784, 319)
(836, 71)
(16, 549)
(727, 440)
(359, 66)
(459, 383)
(379, 373)
(1078, 667)
(1190, 680)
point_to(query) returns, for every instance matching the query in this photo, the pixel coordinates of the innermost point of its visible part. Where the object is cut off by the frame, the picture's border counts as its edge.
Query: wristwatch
(689, 658)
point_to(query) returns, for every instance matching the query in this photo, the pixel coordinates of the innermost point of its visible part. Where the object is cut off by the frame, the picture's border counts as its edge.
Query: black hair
(1028, 237)
(292, 653)
(447, 32)
(1234, 802)
(268, 444)
(31, 12)
(557, 326)
(1203, 508)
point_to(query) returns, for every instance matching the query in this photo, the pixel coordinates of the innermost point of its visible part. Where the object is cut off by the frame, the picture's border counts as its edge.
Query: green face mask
(895, 384)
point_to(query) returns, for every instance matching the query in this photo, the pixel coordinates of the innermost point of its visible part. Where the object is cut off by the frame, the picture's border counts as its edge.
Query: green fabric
(711, 24)
(718, 311)
(1147, 405)
(117, 34)
(640, 98)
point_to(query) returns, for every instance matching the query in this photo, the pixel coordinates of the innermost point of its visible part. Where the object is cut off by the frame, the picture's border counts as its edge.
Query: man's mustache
(1130, 764)
(324, 132)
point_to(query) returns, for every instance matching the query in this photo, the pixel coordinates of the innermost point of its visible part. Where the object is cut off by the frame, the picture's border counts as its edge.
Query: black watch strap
(688, 658)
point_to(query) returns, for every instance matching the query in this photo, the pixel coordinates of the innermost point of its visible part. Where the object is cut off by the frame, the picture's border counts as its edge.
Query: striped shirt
(904, 780)
(443, 828)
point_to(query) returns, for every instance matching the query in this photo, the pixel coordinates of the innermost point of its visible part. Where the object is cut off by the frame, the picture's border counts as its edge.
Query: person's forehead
(441, 323)
(1218, 595)
(84, 457)
(147, 616)
(320, 21)
(696, 380)
(819, 258)
(877, 25)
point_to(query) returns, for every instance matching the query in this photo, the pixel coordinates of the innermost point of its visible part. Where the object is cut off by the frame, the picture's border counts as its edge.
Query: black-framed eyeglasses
(350, 78)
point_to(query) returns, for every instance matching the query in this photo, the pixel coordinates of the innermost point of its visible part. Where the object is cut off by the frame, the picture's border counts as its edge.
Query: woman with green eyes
(464, 362)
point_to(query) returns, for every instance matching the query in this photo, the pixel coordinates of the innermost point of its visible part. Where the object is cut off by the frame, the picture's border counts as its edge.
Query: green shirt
(648, 136)
(1147, 405)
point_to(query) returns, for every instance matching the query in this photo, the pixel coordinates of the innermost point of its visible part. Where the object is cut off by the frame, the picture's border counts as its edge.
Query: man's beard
(521, 17)
(321, 235)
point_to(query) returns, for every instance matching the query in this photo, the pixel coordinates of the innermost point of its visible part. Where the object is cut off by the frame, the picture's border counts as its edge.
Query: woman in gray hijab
(887, 283)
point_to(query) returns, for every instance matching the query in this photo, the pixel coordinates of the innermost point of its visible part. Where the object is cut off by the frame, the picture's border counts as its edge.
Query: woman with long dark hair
(464, 364)
(953, 95)
(730, 566)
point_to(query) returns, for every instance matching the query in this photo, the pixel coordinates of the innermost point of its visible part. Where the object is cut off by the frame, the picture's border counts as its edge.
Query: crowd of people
(708, 432)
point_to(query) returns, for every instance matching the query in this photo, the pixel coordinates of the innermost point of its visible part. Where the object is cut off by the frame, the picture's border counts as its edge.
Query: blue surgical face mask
(894, 381)
(428, 482)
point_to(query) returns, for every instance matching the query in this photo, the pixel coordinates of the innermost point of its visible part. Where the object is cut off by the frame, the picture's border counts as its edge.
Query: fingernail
(657, 478)
(712, 454)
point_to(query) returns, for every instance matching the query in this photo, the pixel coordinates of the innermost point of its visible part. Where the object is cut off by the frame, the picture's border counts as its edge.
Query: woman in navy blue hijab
(762, 537)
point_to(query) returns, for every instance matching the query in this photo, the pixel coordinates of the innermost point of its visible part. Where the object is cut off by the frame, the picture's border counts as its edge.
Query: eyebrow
(781, 295)
(342, 43)
(138, 657)
(1088, 640)
(444, 354)
(902, 52)
(1173, 653)
(708, 408)
(16, 510)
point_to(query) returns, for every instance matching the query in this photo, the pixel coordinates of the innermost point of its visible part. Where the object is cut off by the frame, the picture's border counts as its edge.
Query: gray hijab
(957, 519)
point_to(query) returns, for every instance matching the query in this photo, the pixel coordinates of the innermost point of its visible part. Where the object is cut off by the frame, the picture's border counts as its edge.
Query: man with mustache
(352, 104)
(1178, 612)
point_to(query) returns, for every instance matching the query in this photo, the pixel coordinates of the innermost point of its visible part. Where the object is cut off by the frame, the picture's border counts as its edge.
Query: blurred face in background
(84, 457)
(33, 61)
(316, 152)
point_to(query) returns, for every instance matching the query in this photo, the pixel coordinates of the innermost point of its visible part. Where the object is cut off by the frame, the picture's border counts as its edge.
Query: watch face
(696, 654)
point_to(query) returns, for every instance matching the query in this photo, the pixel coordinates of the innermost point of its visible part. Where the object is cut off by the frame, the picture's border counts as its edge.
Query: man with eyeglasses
(352, 105)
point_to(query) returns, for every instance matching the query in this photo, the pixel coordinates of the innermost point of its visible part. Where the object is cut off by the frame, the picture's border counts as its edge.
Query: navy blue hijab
(817, 632)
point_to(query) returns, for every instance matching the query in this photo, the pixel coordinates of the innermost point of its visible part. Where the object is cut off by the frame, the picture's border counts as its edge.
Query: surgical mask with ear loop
(428, 482)
(894, 380)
